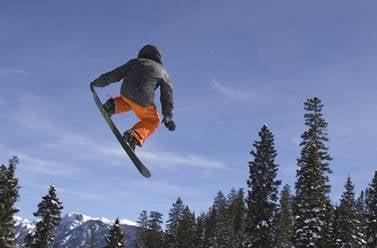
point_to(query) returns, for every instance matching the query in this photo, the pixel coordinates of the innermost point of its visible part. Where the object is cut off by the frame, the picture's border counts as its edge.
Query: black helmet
(150, 52)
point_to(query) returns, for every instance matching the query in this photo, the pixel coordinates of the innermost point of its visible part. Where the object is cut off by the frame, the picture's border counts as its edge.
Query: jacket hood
(150, 52)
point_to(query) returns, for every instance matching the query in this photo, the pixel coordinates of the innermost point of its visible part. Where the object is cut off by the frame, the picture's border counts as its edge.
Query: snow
(23, 222)
(84, 218)
(127, 222)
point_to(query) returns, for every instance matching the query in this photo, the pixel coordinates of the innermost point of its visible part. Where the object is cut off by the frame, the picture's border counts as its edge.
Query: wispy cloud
(232, 92)
(34, 113)
(163, 188)
(41, 165)
(46, 166)
(88, 148)
(175, 160)
(29, 111)
(12, 71)
(81, 194)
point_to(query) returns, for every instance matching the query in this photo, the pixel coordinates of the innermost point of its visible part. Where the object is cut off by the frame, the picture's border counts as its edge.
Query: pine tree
(116, 236)
(186, 230)
(316, 135)
(8, 197)
(141, 235)
(236, 212)
(262, 194)
(210, 228)
(200, 231)
(49, 211)
(361, 201)
(284, 220)
(372, 213)
(311, 204)
(312, 208)
(348, 229)
(362, 209)
(175, 216)
(222, 221)
(155, 234)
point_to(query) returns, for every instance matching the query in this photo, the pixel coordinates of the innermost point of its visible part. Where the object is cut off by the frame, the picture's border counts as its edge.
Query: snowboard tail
(126, 147)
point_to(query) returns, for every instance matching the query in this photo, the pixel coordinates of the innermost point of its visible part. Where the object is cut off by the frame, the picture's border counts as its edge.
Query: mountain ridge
(77, 230)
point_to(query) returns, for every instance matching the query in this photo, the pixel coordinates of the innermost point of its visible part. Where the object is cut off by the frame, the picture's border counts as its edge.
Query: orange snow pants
(148, 116)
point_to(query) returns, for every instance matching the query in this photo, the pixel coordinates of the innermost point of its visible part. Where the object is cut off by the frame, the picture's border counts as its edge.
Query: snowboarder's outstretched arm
(112, 76)
(166, 98)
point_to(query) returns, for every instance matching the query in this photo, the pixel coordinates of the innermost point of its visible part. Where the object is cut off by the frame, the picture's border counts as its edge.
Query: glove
(97, 83)
(169, 123)
(92, 84)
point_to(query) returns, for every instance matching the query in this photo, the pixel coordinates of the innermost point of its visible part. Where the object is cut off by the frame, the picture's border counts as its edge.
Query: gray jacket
(141, 77)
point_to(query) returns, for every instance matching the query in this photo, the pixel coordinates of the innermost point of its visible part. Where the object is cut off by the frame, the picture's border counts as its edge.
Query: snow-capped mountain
(80, 231)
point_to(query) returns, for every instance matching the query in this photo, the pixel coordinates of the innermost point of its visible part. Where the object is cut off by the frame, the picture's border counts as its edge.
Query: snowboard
(126, 147)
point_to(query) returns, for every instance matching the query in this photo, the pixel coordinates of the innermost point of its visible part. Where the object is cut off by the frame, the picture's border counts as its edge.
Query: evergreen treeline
(260, 217)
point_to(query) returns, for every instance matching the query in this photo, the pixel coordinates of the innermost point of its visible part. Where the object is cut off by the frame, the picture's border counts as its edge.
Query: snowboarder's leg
(116, 105)
(149, 120)
(121, 105)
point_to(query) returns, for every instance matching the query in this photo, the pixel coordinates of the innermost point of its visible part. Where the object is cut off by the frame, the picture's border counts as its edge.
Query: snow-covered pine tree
(200, 231)
(348, 228)
(115, 239)
(316, 134)
(49, 212)
(236, 211)
(312, 207)
(142, 231)
(362, 209)
(262, 194)
(222, 221)
(284, 220)
(8, 197)
(361, 201)
(310, 204)
(186, 230)
(175, 216)
(155, 234)
(372, 213)
(210, 228)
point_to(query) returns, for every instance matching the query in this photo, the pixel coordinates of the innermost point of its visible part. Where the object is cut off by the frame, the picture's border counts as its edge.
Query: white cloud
(12, 71)
(35, 113)
(232, 92)
(29, 111)
(80, 194)
(87, 148)
(163, 188)
(176, 160)
(45, 166)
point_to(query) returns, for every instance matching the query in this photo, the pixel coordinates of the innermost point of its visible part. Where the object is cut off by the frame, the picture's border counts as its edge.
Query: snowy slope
(79, 231)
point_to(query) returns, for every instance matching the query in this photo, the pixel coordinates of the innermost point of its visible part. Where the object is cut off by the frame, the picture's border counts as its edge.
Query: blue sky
(235, 65)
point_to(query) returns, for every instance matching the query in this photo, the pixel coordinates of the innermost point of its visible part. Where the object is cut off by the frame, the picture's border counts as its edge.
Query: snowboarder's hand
(92, 84)
(169, 123)
(97, 83)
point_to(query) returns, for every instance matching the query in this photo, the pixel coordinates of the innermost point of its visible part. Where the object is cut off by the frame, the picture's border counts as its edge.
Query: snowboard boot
(129, 136)
(109, 107)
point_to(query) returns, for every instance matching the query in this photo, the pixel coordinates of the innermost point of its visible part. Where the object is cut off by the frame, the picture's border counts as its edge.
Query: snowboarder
(141, 77)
